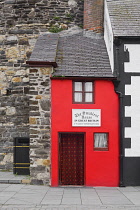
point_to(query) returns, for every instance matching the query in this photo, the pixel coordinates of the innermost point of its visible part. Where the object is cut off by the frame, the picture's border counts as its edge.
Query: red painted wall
(101, 167)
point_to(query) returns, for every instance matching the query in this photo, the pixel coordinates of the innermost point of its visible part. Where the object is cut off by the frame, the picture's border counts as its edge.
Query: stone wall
(14, 119)
(34, 16)
(21, 22)
(40, 125)
(14, 100)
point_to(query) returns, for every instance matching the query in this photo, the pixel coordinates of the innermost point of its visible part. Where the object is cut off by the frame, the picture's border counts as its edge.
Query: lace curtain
(100, 140)
(88, 88)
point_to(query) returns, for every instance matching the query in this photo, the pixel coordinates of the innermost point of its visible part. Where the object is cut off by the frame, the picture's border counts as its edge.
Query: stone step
(23, 181)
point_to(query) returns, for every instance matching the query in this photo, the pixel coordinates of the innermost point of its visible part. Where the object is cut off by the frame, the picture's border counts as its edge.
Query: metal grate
(71, 159)
(21, 163)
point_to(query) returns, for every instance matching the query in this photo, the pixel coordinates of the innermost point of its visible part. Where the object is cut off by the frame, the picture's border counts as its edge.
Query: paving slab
(91, 201)
(109, 193)
(128, 189)
(49, 193)
(71, 201)
(56, 197)
(71, 195)
(36, 187)
(50, 202)
(105, 188)
(29, 191)
(13, 187)
(17, 201)
(10, 194)
(4, 199)
(19, 207)
(56, 189)
(4, 185)
(116, 200)
(87, 190)
(90, 198)
(71, 191)
(133, 196)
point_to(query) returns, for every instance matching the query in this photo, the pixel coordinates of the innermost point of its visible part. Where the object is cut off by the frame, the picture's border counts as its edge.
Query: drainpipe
(121, 182)
(117, 43)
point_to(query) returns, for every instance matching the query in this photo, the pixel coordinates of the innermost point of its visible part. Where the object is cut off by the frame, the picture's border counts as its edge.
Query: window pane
(78, 97)
(100, 140)
(88, 86)
(78, 86)
(88, 97)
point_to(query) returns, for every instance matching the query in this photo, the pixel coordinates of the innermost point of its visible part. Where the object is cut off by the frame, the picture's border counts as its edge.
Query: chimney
(94, 15)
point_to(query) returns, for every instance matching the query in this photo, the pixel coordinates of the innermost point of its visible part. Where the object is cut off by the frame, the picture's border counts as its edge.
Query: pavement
(37, 197)
(25, 196)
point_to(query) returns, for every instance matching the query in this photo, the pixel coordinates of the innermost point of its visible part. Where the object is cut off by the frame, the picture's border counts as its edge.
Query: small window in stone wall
(101, 141)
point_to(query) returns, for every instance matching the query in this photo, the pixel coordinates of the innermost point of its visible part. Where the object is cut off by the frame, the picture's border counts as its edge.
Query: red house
(84, 104)
(84, 114)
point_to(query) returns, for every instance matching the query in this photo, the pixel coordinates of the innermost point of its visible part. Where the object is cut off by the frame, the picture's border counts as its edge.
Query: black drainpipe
(121, 182)
(117, 43)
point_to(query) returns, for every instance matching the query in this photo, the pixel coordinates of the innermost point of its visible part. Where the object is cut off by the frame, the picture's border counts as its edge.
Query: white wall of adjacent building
(133, 111)
(134, 55)
(108, 36)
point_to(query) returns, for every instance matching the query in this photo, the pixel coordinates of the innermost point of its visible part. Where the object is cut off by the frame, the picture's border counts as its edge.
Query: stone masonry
(25, 112)
(13, 123)
(40, 125)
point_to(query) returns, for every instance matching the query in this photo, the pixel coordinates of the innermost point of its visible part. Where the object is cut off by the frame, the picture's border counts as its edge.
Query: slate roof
(125, 17)
(45, 48)
(76, 54)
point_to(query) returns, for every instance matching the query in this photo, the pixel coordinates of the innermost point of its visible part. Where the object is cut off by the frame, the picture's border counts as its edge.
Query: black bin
(21, 164)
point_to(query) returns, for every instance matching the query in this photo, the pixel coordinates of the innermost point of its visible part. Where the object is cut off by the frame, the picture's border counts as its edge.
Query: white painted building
(122, 37)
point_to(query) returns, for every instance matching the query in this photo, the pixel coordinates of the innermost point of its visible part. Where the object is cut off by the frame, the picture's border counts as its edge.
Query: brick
(93, 15)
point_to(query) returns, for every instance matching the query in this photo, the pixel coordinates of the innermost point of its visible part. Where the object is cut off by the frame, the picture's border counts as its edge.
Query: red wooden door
(71, 159)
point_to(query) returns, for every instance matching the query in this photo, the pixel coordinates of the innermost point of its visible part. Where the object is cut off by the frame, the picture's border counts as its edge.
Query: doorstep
(7, 177)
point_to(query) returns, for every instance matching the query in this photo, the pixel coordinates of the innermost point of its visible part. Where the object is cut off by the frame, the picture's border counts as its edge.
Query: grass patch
(56, 18)
(55, 29)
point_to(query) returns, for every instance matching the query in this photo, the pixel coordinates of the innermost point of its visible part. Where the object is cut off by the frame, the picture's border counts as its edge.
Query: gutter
(81, 78)
(41, 63)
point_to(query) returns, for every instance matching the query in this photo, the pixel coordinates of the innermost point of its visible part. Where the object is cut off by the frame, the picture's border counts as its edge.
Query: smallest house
(79, 95)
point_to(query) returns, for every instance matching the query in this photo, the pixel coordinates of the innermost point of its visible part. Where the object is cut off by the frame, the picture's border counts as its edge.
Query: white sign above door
(86, 117)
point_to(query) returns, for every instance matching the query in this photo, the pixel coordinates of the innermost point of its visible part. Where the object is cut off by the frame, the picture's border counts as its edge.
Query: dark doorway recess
(21, 156)
(71, 159)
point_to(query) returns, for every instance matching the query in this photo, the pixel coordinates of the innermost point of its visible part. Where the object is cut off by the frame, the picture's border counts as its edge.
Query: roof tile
(45, 48)
(77, 54)
(125, 17)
